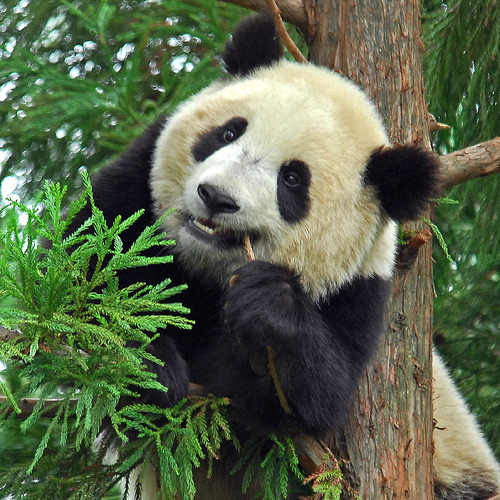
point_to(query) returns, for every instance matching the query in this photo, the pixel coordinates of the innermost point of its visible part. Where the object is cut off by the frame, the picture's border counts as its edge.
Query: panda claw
(233, 280)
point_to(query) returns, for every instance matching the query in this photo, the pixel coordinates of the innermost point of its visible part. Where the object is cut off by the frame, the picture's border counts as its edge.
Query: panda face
(278, 156)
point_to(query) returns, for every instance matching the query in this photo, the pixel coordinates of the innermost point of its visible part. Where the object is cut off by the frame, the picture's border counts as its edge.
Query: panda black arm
(321, 351)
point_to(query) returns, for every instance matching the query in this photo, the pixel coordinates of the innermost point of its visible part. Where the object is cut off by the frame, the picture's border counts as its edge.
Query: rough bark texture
(387, 442)
(476, 161)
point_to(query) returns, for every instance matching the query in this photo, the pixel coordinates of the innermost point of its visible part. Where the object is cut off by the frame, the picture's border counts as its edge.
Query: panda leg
(465, 467)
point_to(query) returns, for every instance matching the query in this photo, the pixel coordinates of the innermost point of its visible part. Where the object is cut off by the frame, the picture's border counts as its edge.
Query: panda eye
(292, 179)
(228, 136)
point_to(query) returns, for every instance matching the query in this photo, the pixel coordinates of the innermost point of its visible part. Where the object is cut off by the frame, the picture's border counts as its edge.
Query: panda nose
(216, 201)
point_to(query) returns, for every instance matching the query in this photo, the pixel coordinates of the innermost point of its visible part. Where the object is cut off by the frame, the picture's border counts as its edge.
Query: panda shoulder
(123, 187)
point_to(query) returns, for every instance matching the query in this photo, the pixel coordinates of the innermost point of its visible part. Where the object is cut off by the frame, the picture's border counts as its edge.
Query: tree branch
(476, 161)
(435, 126)
(285, 37)
(292, 11)
(8, 334)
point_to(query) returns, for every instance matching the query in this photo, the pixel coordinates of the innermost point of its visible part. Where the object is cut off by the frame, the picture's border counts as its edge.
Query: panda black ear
(255, 43)
(406, 178)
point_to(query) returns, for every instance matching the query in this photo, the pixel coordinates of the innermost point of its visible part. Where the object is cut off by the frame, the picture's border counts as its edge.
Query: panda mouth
(213, 233)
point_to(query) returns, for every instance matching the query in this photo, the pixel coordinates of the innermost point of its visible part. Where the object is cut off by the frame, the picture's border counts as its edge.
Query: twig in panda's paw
(270, 351)
(277, 382)
(248, 248)
(250, 257)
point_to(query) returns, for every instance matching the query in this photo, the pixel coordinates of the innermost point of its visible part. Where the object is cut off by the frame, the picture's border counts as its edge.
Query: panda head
(292, 155)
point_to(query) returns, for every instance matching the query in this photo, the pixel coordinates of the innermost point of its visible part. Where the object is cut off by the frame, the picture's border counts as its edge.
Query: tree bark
(387, 443)
(476, 161)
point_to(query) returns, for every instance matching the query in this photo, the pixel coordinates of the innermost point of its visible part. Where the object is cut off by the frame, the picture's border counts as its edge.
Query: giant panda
(296, 158)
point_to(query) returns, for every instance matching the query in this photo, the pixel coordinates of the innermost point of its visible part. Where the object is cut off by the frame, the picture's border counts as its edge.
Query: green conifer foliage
(81, 338)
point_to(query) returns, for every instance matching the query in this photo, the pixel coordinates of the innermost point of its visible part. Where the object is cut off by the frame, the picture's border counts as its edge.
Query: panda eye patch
(218, 137)
(294, 179)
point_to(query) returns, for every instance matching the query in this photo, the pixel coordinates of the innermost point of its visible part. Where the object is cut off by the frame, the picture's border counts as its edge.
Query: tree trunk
(387, 443)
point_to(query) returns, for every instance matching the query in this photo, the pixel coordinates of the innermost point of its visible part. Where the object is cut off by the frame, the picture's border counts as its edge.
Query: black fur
(294, 179)
(405, 177)
(127, 179)
(255, 44)
(321, 351)
(218, 137)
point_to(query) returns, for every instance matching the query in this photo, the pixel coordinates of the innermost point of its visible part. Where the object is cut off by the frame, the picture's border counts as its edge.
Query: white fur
(461, 457)
(148, 476)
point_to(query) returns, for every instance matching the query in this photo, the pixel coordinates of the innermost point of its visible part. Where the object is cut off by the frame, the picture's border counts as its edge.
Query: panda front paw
(263, 305)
